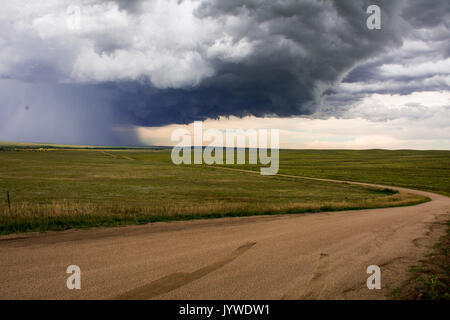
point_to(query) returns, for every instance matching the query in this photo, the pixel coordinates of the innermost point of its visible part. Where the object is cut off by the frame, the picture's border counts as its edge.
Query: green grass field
(55, 188)
(422, 170)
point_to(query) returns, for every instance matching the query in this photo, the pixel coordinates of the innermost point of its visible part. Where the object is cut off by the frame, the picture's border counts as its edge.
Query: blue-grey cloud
(161, 62)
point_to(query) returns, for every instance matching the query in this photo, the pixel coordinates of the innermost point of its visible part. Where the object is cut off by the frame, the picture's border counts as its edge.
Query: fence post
(9, 202)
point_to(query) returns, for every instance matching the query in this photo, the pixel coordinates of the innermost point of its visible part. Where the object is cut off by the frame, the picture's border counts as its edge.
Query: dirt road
(305, 256)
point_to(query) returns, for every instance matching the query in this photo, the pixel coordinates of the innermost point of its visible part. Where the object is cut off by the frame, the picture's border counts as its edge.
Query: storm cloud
(151, 63)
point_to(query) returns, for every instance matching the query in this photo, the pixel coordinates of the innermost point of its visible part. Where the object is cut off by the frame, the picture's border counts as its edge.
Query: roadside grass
(431, 279)
(62, 189)
(24, 217)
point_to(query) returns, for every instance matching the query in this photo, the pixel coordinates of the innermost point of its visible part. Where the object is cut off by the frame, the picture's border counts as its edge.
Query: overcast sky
(132, 71)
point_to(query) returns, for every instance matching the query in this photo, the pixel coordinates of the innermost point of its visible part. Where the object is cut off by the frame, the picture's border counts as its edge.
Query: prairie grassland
(59, 189)
(421, 170)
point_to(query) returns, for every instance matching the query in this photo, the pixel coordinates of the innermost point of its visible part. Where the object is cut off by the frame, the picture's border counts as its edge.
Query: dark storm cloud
(420, 65)
(301, 48)
(140, 66)
(424, 13)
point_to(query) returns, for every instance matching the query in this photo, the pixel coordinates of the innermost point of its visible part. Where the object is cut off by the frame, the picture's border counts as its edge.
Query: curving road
(305, 256)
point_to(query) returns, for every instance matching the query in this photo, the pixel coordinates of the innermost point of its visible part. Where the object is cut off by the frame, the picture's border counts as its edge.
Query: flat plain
(252, 250)
(54, 188)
